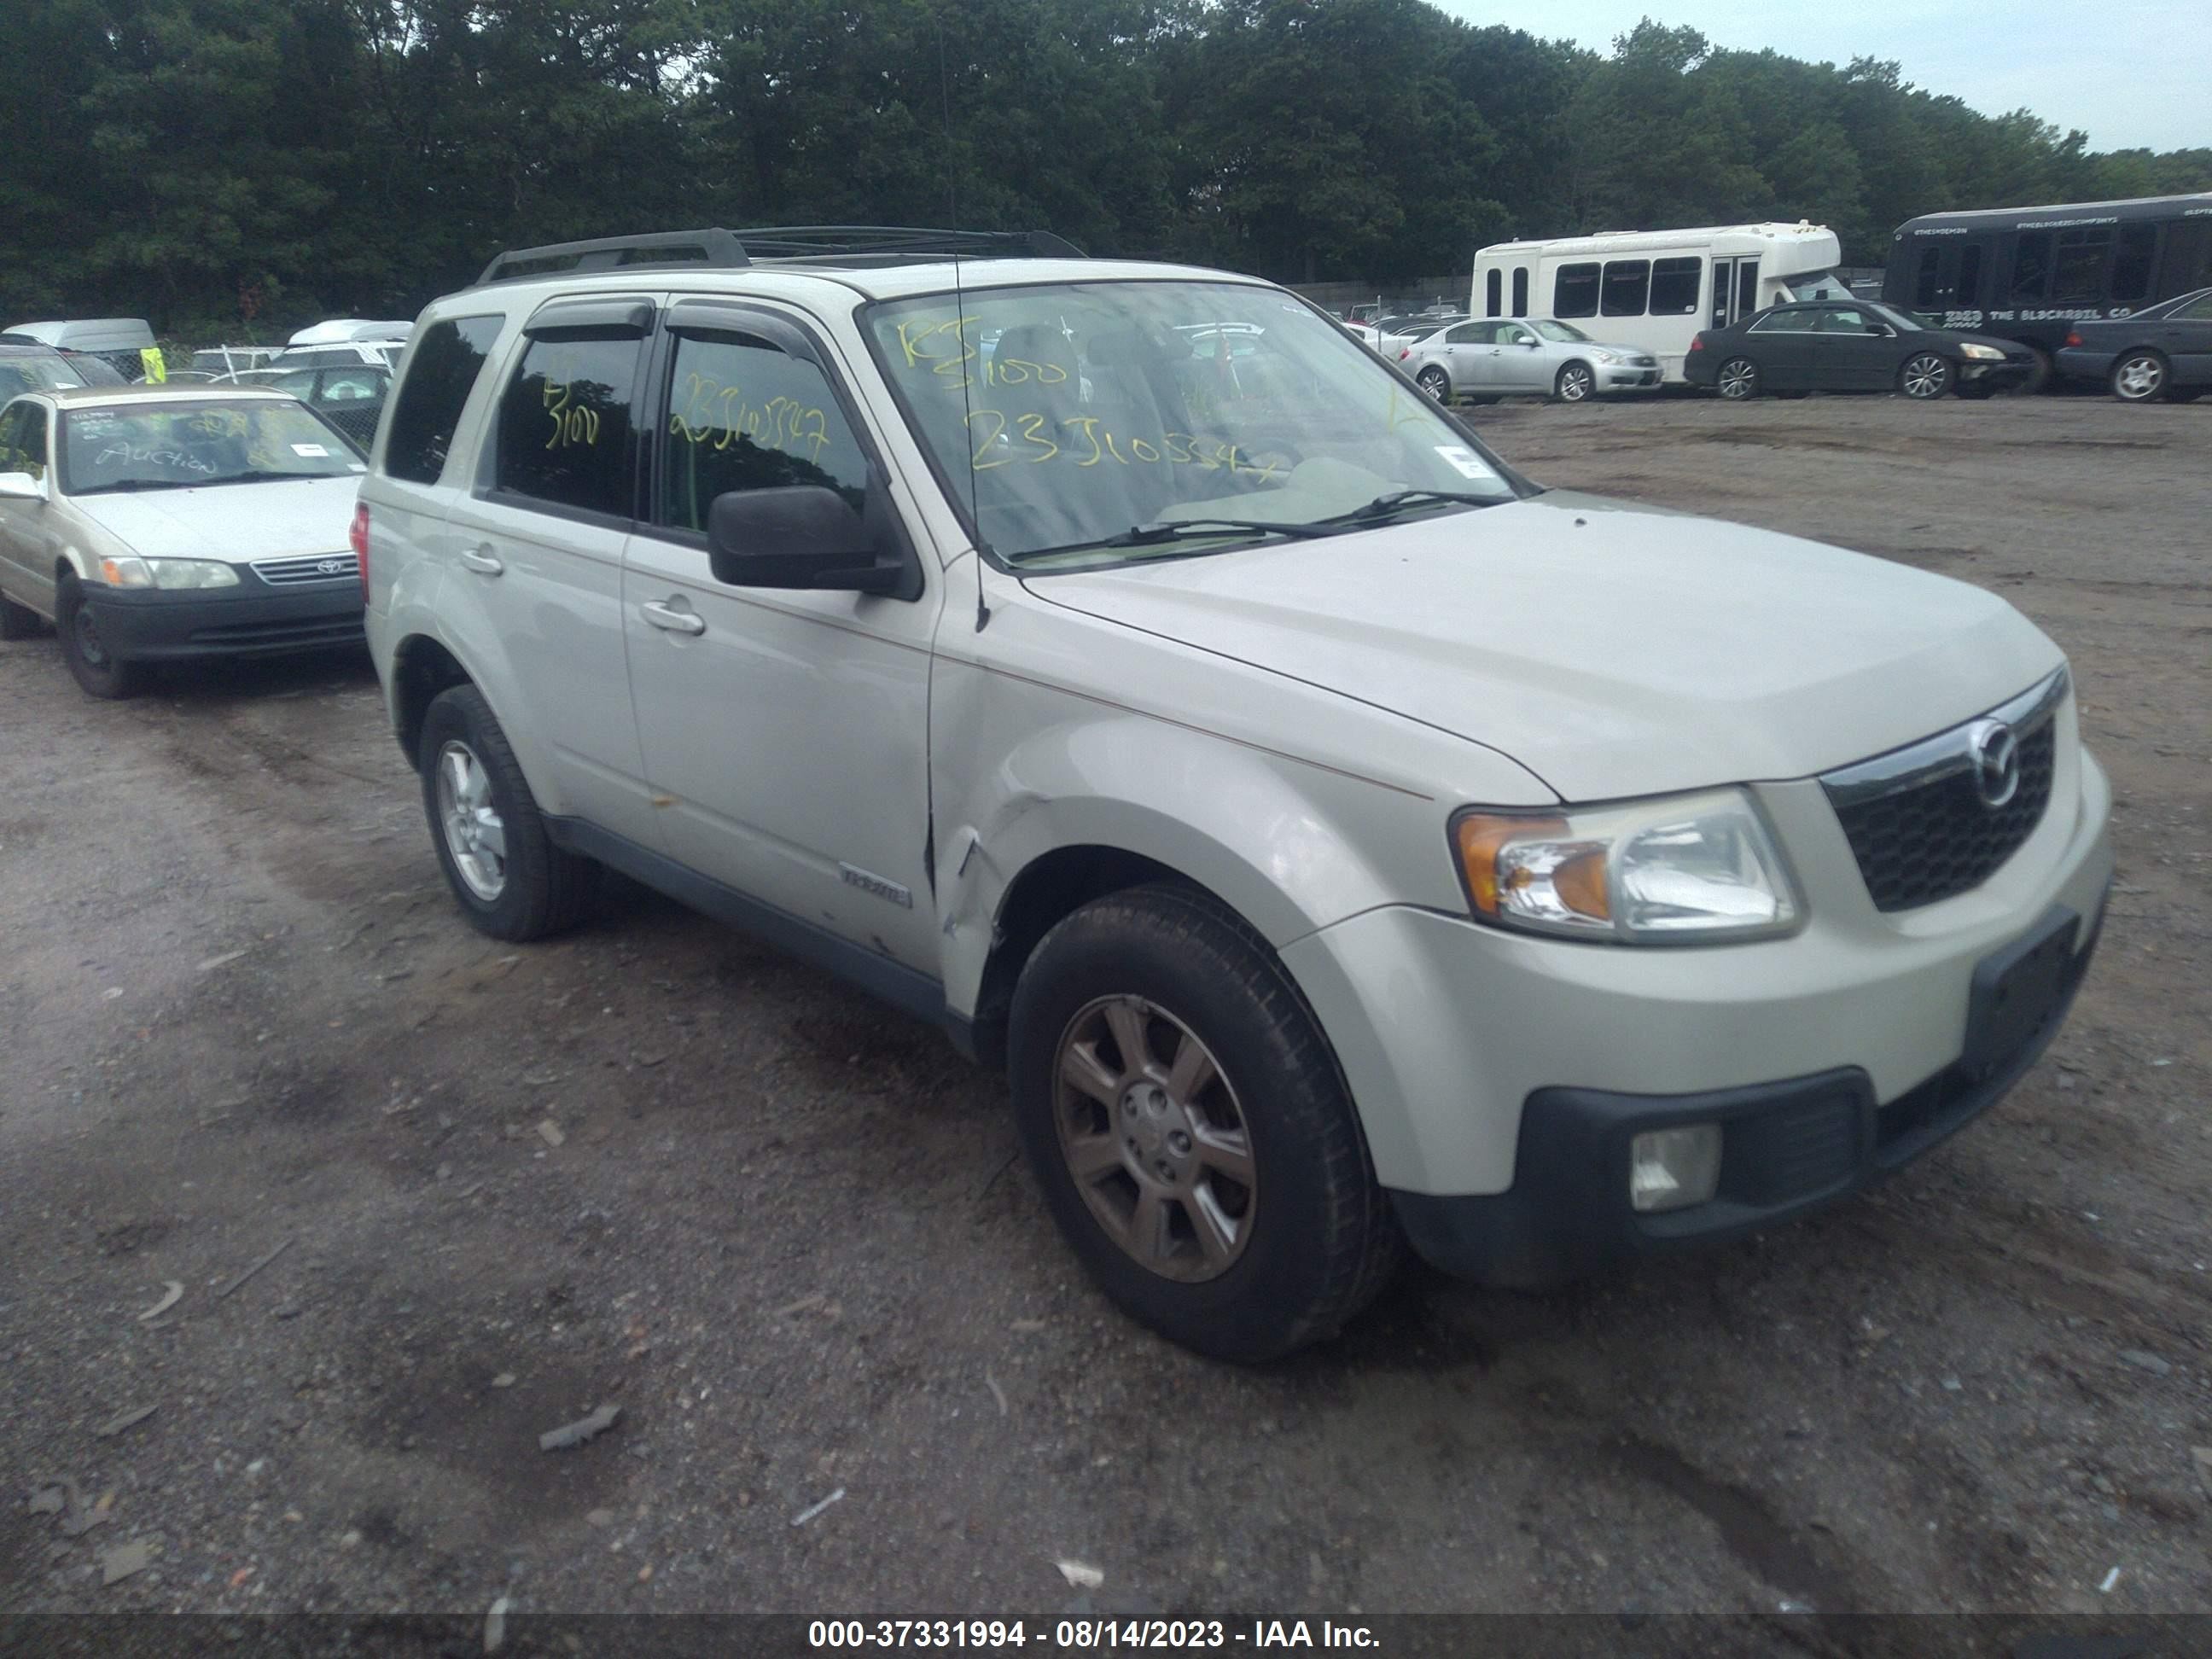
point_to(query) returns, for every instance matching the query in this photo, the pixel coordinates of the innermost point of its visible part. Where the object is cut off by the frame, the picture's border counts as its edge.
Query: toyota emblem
(330, 566)
(1996, 754)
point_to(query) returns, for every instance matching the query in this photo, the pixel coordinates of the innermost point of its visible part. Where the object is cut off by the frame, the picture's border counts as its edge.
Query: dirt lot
(657, 1166)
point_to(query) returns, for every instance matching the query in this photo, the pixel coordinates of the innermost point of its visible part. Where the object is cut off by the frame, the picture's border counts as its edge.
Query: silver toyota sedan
(1480, 362)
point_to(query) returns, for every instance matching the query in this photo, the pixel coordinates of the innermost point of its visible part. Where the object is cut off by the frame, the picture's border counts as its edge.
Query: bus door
(1735, 289)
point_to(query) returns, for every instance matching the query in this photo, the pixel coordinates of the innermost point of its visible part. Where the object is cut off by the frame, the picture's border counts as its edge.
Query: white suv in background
(1343, 842)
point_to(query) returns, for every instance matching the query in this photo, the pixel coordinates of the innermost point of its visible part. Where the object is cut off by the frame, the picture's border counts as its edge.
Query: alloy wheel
(1576, 383)
(1154, 1137)
(475, 835)
(2139, 378)
(1926, 376)
(1738, 379)
(1436, 384)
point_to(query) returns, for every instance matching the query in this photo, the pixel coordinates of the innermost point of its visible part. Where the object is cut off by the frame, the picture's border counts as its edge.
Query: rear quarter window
(447, 360)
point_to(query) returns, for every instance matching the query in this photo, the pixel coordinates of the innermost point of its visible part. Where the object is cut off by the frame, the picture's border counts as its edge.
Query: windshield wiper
(1154, 535)
(1383, 508)
(264, 475)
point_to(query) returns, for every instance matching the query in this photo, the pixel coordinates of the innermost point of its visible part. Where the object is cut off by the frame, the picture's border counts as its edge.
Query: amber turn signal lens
(1481, 836)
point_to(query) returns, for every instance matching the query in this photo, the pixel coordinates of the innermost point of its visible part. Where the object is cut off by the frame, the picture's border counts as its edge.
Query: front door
(786, 732)
(1853, 350)
(1735, 289)
(25, 536)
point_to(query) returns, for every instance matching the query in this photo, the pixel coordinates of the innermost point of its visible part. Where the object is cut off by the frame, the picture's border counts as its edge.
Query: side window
(2188, 263)
(23, 439)
(1674, 284)
(1521, 291)
(1627, 284)
(1968, 290)
(1513, 335)
(2131, 263)
(564, 424)
(1926, 287)
(1841, 319)
(447, 360)
(1574, 291)
(742, 414)
(2197, 310)
(1782, 322)
(1494, 290)
(2081, 272)
(1470, 333)
(2031, 264)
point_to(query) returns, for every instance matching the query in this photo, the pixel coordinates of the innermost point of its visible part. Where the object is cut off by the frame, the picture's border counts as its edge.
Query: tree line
(230, 168)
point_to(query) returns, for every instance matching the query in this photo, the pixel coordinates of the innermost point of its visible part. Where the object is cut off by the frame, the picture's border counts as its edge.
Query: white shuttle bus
(1653, 289)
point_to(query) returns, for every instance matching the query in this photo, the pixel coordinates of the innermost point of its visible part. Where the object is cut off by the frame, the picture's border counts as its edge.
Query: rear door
(1781, 342)
(535, 552)
(1465, 348)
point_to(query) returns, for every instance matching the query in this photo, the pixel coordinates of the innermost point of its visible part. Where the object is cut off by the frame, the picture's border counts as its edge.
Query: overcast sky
(2129, 73)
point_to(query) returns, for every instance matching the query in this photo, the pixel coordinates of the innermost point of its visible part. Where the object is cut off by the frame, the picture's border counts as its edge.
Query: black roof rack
(818, 244)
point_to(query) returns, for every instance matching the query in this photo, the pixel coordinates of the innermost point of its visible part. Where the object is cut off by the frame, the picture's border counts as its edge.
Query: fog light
(1673, 1168)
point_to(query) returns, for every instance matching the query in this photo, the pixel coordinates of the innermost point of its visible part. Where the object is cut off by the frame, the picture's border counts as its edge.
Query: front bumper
(250, 620)
(1996, 376)
(1787, 1149)
(1632, 378)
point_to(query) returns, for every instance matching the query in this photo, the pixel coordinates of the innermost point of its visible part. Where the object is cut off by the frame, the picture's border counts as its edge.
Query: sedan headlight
(167, 572)
(1679, 870)
(1604, 357)
(1981, 354)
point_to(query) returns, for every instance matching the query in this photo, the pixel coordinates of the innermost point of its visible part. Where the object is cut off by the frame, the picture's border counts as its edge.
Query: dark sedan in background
(1827, 345)
(2164, 350)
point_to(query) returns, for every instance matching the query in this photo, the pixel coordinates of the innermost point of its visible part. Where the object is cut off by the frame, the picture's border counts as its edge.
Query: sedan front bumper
(250, 620)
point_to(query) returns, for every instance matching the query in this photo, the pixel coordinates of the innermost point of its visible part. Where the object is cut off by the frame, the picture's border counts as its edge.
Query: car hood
(233, 522)
(1612, 650)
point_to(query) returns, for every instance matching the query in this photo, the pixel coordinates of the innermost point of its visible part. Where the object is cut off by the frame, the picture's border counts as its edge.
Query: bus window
(2131, 264)
(1968, 291)
(1627, 285)
(2080, 277)
(1747, 287)
(1494, 293)
(1574, 291)
(1674, 286)
(1521, 290)
(2031, 265)
(1926, 291)
(2188, 263)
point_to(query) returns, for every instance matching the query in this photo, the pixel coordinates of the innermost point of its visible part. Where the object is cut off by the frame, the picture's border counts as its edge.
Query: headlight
(1680, 869)
(167, 572)
(1607, 356)
(1981, 354)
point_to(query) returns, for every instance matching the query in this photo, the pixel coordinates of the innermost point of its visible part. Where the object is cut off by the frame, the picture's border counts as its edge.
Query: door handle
(667, 616)
(481, 560)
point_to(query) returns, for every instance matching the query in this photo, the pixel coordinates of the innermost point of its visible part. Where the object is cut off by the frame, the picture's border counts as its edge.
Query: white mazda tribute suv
(1344, 843)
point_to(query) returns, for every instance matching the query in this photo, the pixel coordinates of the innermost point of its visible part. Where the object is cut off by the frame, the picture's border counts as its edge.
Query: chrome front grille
(314, 568)
(1935, 819)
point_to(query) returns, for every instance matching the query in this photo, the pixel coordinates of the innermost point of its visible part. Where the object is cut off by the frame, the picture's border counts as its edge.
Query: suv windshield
(1075, 412)
(181, 445)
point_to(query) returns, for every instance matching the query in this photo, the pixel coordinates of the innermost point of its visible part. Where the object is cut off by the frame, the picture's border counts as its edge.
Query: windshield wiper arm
(1384, 507)
(1153, 535)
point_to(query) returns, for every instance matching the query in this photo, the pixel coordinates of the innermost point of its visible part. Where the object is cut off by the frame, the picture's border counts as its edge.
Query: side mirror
(1880, 331)
(1528, 344)
(806, 536)
(21, 487)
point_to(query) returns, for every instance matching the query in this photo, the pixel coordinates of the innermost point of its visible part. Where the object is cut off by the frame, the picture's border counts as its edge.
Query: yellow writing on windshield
(1001, 439)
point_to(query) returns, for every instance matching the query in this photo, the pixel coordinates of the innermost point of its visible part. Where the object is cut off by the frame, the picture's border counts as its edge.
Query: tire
(94, 669)
(507, 875)
(1435, 382)
(1738, 379)
(1299, 1245)
(1925, 376)
(17, 621)
(2039, 373)
(1574, 384)
(2141, 377)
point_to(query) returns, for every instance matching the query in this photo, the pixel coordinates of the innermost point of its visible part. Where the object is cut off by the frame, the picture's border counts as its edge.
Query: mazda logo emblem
(1996, 754)
(330, 566)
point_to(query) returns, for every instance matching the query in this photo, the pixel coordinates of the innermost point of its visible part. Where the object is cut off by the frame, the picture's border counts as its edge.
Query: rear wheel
(93, 666)
(1925, 375)
(2141, 377)
(1186, 1120)
(1434, 381)
(510, 878)
(1738, 379)
(1574, 384)
(2040, 371)
(17, 621)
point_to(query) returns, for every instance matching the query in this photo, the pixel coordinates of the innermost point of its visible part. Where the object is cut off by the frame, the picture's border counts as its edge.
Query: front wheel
(1738, 380)
(1574, 384)
(2139, 377)
(1186, 1120)
(95, 668)
(1925, 375)
(1436, 383)
(510, 878)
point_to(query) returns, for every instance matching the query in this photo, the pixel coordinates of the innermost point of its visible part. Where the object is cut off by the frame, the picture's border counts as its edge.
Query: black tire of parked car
(1925, 376)
(1324, 1240)
(2153, 380)
(546, 890)
(17, 621)
(98, 672)
(1737, 381)
(1574, 384)
(1435, 382)
(2038, 374)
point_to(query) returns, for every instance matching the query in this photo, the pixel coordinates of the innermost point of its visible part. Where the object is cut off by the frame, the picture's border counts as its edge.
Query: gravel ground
(658, 1167)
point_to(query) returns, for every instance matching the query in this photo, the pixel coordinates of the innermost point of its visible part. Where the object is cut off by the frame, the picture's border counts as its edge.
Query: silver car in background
(1480, 362)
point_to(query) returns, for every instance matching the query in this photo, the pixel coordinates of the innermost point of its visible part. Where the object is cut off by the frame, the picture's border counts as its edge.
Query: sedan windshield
(33, 371)
(1551, 331)
(1903, 321)
(185, 445)
(1067, 417)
